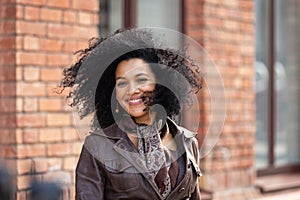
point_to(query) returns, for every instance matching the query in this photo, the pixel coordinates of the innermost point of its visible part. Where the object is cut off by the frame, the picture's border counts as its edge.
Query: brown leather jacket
(109, 167)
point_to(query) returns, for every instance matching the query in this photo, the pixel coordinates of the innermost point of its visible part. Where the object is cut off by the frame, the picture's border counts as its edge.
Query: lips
(134, 102)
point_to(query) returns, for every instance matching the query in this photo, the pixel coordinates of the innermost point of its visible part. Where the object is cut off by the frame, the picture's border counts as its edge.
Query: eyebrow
(139, 74)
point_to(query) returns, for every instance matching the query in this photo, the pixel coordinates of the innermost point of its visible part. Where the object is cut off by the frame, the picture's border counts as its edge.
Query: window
(277, 84)
(115, 14)
(111, 15)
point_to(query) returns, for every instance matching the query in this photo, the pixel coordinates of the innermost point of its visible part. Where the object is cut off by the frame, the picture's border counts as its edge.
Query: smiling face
(133, 78)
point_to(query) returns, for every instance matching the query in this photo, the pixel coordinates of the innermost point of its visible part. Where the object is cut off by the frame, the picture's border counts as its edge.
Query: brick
(8, 136)
(59, 149)
(7, 12)
(33, 2)
(82, 32)
(31, 28)
(32, 13)
(20, 12)
(96, 18)
(30, 104)
(54, 163)
(19, 105)
(30, 135)
(31, 150)
(69, 46)
(7, 104)
(24, 166)
(70, 163)
(247, 5)
(40, 165)
(21, 195)
(31, 89)
(31, 43)
(23, 182)
(30, 120)
(50, 135)
(7, 121)
(53, 45)
(60, 31)
(70, 134)
(85, 18)
(51, 15)
(7, 27)
(59, 3)
(31, 73)
(50, 104)
(31, 58)
(81, 45)
(69, 16)
(19, 135)
(90, 5)
(65, 191)
(7, 43)
(8, 151)
(57, 60)
(76, 147)
(19, 42)
(213, 182)
(10, 165)
(72, 193)
(7, 58)
(7, 73)
(54, 74)
(58, 119)
(60, 177)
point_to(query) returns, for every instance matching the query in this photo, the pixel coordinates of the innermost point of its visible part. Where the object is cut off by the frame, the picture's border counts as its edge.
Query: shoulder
(174, 127)
(102, 140)
(191, 148)
(187, 133)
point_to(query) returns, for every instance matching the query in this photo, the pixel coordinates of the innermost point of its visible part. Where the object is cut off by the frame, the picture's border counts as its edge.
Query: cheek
(149, 87)
(119, 94)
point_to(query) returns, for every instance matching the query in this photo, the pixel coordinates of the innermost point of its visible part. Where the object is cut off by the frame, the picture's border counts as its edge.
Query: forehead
(132, 67)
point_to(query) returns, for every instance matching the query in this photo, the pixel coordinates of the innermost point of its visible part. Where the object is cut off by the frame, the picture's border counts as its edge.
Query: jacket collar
(114, 132)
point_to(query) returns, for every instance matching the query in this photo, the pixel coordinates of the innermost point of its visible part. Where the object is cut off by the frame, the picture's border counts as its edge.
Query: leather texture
(110, 167)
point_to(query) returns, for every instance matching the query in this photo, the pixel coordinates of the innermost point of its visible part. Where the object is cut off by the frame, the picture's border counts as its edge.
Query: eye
(121, 84)
(142, 80)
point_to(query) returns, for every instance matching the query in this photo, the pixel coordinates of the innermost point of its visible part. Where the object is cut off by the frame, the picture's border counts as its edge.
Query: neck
(147, 120)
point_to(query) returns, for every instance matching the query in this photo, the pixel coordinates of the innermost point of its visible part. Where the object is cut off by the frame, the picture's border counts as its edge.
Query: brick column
(226, 30)
(7, 86)
(37, 39)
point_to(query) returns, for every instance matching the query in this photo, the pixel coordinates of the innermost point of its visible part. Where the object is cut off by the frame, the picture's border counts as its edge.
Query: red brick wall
(8, 149)
(226, 30)
(37, 40)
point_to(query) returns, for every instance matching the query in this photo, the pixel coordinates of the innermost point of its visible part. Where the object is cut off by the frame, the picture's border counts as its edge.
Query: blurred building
(253, 43)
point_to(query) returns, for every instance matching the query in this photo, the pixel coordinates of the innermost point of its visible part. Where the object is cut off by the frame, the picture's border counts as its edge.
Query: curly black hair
(92, 77)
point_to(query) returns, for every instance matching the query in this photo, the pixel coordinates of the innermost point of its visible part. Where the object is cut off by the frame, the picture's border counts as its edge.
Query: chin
(137, 115)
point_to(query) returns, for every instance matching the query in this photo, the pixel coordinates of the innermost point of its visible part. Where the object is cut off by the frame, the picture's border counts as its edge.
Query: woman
(135, 149)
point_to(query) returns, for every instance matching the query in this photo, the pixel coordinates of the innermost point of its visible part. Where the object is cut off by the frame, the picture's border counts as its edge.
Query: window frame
(271, 168)
(130, 14)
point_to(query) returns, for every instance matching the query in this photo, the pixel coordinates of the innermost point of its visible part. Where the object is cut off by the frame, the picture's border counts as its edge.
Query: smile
(133, 102)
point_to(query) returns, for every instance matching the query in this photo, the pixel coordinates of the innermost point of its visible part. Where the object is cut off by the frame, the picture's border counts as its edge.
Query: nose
(133, 88)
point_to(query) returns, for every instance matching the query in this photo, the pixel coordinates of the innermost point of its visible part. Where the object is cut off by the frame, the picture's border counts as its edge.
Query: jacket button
(181, 189)
(199, 173)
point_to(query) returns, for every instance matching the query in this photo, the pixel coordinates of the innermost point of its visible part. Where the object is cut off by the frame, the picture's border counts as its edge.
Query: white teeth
(134, 100)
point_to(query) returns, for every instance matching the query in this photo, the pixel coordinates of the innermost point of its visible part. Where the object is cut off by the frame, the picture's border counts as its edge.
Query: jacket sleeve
(90, 180)
(196, 194)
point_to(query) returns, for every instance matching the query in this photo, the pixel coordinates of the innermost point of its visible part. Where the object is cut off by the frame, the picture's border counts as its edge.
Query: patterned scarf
(161, 164)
